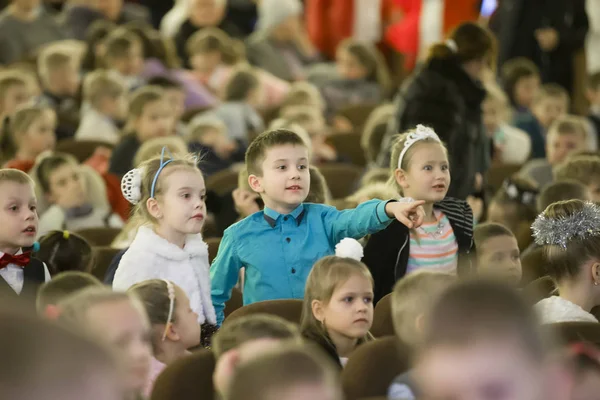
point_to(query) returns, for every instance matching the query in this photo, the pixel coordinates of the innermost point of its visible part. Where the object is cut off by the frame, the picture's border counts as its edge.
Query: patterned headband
(421, 133)
(580, 225)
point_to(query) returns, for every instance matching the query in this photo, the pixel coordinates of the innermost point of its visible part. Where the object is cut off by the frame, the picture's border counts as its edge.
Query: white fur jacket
(555, 309)
(152, 257)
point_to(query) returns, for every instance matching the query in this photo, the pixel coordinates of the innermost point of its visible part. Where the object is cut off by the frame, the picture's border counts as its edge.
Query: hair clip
(171, 294)
(349, 248)
(66, 235)
(131, 186)
(451, 44)
(580, 225)
(514, 192)
(163, 164)
(421, 133)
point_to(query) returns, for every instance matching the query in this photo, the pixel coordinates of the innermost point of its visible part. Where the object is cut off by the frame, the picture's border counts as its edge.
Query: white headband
(421, 133)
(171, 293)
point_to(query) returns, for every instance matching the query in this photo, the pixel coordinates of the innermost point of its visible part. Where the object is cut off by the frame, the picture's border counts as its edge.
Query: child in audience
(277, 163)
(64, 251)
(363, 77)
(521, 78)
(32, 133)
(420, 172)
(412, 300)
(174, 324)
(482, 341)
(175, 97)
(375, 129)
(15, 92)
(18, 229)
(288, 373)
(337, 312)
(123, 53)
(550, 103)
(169, 194)
(149, 117)
(61, 182)
(583, 169)
(303, 94)
(593, 96)
(498, 255)
(105, 106)
(567, 135)
(562, 190)
(514, 206)
(61, 287)
(245, 338)
(119, 321)
(569, 232)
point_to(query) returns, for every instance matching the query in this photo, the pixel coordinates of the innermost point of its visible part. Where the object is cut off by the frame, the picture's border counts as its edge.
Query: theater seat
(539, 289)
(383, 323)
(290, 310)
(81, 149)
(99, 236)
(342, 179)
(534, 265)
(572, 332)
(189, 378)
(348, 147)
(103, 256)
(213, 248)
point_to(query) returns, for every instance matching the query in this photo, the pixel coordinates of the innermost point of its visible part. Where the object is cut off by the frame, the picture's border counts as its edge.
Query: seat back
(290, 310)
(99, 236)
(223, 182)
(213, 248)
(383, 323)
(497, 174)
(534, 265)
(572, 332)
(103, 256)
(539, 289)
(189, 378)
(348, 147)
(81, 149)
(342, 179)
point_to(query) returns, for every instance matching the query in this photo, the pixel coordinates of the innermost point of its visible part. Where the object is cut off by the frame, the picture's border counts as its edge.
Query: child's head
(319, 191)
(169, 193)
(105, 91)
(153, 147)
(563, 190)
(593, 89)
(18, 211)
(308, 117)
(357, 60)
(495, 108)
(245, 338)
(59, 288)
(59, 71)
(94, 38)
(207, 129)
(172, 319)
(514, 205)
(419, 165)
(59, 177)
(243, 86)
(292, 372)
(210, 47)
(583, 169)
(174, 94)
(303, 94)
(482, 341)
(375, 130)
(207, 13)
(498, 255)
(123, 52)
(570, 234)
(521, 79)
(32, 130)
(118, 320)
(278, 168)
(567, 135)
(338, 300)
(14, 91)
(64, 251)
(412, 299)
(149, 114)
(551, 102)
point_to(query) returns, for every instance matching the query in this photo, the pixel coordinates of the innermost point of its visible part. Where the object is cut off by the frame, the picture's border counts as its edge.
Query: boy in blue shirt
(278, 246)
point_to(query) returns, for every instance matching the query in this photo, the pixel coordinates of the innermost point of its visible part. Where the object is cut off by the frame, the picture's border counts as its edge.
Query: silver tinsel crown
(560, 231)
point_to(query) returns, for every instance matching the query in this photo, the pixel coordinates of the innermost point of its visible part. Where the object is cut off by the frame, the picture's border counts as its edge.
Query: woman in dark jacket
(446, 94)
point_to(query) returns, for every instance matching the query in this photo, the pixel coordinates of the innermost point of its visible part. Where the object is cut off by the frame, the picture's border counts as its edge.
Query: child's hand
(409, 214)
(245, 202)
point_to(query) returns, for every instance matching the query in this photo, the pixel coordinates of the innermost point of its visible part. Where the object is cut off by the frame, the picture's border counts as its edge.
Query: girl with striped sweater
(420, 171)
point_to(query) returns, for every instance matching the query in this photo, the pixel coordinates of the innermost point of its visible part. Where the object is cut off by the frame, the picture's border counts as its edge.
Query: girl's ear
(154, 208)
(400, 176)
(318, 310)
(255, 183)
(172, 333)
(596, 273)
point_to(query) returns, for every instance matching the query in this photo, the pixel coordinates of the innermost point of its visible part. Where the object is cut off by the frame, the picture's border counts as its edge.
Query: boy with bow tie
(20, 273)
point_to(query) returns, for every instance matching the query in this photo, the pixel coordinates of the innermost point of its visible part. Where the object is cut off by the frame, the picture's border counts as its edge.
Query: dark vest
(34, 276)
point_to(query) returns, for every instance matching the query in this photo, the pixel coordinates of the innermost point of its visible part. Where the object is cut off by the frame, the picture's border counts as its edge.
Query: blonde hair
(552, 90)
(325, 277)
(583, 169)
(377, 190)
(100, 84)
(371, 59)
(10, 78)
(142, 97)
(54, 57)
(22, 120)
(203, 123)
(375, 130)
(319, 190)
(153, 147)
(303, 94)
(62, 286)
(15, 176)
(495, 93)
(412, 298)
(569, 124)
(211, 39)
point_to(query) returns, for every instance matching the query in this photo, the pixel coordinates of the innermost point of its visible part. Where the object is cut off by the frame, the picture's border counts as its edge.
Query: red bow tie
(21, 260)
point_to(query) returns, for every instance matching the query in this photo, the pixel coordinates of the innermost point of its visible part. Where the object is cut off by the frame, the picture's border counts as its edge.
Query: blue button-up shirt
(278, 251)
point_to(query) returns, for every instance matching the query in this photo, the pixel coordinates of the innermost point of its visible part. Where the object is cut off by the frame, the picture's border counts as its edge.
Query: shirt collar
(271, 216)
(18, 253)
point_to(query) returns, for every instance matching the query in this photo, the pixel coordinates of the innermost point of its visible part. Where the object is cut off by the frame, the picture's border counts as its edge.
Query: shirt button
(288, 240)
(285, 218)
(293, 270)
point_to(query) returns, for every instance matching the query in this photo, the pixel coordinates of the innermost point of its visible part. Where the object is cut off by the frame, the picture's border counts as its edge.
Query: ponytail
(468, 42)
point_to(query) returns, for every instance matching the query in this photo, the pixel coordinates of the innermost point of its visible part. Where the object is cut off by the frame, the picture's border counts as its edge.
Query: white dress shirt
(14, 275)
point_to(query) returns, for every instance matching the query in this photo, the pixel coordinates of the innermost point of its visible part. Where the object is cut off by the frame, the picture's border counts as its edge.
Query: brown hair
(270, 376)
(564, 189)
(257, 150)
(53, 58)
(514, 70)
(119, 43)
(524, 209)
(252, 327)
(583, 169)
(477, 310)
(23, 118)
(593, 81)
(47, 165)
(472, 41)
(94, 36)
(484, 232)
(10, 78)
(63, 286)
(552, 90)
(568, 125)
(413, 297)
(142, 97)
(319, 190)
(303, 94)
(65, 251)
(243, 81)
(371, 59)
(566, 263)
(15, 176)
(211, 39)
(325, 277)
(100, 84)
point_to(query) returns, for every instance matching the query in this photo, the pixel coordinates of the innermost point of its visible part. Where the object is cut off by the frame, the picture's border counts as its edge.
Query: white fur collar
(148, 241)
(556, 309)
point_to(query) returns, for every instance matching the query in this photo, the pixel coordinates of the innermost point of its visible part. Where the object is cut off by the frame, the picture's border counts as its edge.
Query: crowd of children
(468, 225)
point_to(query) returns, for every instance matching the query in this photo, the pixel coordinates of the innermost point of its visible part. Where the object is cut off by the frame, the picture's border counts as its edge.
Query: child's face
(207, 12)
(499, 257)
(132, 64)
(124, 327)
(15, 97)
(115, 107)
(492, 115)
(285, 181)
(525, 90)
(155, 121)
(40, 136)
(548, 109)
(349, 67)
(187, 326)
(349, 312)
(18, 216)
(176, 99)
(66, 79)
(560, 145)
(206, 62)
(480, 370)
(428, 174)
(66, 187)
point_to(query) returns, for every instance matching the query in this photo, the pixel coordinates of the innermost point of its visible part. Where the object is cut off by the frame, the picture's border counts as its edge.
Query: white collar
(556, 309)
(147, 240)
(18, 253)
